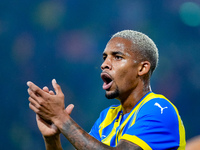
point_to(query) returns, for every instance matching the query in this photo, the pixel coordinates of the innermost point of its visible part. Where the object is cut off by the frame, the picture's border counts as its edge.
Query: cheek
(124, 77)
(126, 73)
(127, 77)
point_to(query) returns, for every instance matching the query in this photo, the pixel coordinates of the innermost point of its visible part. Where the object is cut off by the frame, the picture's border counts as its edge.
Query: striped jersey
(153, 124)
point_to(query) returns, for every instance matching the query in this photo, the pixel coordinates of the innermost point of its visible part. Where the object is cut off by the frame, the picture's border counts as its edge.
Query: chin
(112, 94)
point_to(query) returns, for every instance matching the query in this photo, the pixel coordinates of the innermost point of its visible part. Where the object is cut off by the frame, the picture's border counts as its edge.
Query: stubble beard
(113, 94)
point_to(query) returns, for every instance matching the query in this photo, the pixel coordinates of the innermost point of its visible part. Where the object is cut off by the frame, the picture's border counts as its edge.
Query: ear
(144, 68)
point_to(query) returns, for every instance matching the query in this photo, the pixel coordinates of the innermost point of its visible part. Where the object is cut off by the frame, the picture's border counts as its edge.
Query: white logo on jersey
(162, 108)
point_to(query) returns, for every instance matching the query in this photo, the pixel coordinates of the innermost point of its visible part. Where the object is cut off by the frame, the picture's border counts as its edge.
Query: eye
(104, 57)
(118, 57)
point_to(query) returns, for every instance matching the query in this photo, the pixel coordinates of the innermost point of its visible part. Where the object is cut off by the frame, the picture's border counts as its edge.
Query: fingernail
(54, 81)
(71, 105)
(28, 83)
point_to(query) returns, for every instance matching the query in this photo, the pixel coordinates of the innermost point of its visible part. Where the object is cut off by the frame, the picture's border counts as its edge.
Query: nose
(106, 64)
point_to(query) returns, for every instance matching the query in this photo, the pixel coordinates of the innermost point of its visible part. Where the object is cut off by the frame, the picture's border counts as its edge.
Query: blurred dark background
(64, 39)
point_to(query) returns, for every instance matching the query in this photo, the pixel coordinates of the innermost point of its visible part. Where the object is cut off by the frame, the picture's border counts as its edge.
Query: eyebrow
(114, 53)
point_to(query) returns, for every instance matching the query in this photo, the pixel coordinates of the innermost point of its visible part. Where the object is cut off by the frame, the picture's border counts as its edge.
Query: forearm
(79, 138)
(53, 143)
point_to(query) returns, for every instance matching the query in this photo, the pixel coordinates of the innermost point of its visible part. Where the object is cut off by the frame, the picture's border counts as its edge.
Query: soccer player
(143, 120)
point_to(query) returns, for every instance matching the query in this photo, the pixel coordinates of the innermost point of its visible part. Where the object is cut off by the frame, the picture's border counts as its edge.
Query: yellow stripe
(112, 133)
(135, 110)
(136, 140)
(111, 115)
(182, 141)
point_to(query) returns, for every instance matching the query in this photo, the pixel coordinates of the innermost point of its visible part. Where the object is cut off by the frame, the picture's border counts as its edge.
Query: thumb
(69, 109)
(56, 87)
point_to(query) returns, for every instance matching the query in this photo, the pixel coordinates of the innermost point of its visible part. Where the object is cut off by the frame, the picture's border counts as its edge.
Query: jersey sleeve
(156, 126)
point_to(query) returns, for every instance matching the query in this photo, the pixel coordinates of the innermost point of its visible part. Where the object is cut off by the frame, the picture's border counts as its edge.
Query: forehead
(119, 44)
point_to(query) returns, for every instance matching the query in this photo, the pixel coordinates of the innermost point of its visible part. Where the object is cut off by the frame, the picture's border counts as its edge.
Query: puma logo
(162, 108)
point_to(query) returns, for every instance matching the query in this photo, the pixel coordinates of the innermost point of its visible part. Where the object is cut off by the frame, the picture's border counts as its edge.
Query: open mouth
(107, 81)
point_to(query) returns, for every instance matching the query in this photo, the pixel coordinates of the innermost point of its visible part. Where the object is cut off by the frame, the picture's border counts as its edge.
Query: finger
(33, 95)
(46, 89)
(56, 87)
(31, 106)
(33, 102)
(36, 89)
(69, 109)
(51, 92)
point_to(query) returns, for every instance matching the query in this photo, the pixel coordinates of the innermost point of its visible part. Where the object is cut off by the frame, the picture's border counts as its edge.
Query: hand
(49, 106)
(50, 129)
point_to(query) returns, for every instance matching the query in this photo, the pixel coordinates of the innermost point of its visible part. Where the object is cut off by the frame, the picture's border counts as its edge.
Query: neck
(133, 98)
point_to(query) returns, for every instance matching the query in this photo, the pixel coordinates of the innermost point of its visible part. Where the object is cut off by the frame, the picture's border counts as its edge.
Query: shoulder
(159, 108)
(159, 103)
